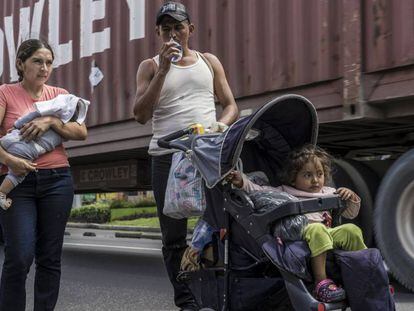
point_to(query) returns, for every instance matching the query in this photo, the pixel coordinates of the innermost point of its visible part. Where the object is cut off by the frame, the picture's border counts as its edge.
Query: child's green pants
(321, 238)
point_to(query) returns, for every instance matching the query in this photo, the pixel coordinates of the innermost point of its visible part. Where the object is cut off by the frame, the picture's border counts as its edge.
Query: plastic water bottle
(177, 58)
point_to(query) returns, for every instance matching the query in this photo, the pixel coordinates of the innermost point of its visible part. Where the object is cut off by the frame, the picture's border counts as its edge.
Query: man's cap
(175, 10)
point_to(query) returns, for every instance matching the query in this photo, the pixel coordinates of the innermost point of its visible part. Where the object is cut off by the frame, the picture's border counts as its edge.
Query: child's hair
(297, 158)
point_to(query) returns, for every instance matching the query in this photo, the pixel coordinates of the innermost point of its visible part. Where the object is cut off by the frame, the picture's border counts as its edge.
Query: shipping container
(353, 59)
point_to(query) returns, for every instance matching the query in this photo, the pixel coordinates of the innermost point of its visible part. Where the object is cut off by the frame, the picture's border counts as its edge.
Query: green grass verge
(123, 212)
(151, 222)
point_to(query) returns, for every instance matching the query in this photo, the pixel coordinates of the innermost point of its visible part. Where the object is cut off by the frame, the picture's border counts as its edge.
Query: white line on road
(112, 246)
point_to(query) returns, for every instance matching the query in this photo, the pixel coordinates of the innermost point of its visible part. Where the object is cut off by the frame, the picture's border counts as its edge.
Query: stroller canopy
(264, 138)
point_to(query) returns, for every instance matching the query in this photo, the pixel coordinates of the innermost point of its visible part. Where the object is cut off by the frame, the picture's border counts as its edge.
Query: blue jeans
(33, 228)
(174, 232)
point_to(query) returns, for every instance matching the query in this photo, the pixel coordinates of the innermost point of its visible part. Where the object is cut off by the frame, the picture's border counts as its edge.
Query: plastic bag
(290, 228)
(184, 196)
(202, 235)
(265, 200)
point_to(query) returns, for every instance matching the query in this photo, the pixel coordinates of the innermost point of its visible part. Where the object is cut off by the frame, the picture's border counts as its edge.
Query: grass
(151, 222)
(118, 213)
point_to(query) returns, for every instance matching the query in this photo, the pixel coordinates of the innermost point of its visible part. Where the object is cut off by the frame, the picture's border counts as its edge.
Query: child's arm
(240, 180)
(353, 202)
(26, 118)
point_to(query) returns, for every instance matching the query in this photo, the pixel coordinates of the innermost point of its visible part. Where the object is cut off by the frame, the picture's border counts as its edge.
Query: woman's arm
(68, 131)
(17, 165)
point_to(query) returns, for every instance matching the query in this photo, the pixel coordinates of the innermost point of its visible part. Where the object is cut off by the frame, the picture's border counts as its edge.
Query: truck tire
(368, 175)
(394, 219)
(346, 175)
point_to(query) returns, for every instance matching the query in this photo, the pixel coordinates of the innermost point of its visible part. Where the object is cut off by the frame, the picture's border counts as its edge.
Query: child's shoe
(5, 202)
(327, 291)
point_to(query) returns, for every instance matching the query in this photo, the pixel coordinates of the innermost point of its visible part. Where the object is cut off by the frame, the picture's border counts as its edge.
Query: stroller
(255, 271)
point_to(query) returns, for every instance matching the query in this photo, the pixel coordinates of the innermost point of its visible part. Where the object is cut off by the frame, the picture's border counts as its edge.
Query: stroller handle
(168, 143)
(165, 141)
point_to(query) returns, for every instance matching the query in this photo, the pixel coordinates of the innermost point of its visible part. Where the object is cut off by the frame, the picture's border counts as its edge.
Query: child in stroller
(305, 174)
(255, 270)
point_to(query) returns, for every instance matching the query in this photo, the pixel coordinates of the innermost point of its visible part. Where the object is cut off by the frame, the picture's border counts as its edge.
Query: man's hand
(236, 178)
(346, 194)
(167, 52)
(218, 127)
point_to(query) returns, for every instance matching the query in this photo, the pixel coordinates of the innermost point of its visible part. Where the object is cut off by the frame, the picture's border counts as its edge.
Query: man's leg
(174, 232)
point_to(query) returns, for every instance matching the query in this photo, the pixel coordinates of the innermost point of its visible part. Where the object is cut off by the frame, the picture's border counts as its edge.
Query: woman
(34, 227)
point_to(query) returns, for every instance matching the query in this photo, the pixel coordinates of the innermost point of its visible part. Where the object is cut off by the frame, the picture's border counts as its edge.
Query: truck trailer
(353, 59)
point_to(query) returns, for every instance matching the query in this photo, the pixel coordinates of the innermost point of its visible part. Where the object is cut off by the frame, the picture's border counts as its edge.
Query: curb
(137, 235)
(111, 227)
(122, 231)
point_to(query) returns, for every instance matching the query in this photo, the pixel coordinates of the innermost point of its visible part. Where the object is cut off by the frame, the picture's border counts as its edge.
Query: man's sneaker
(5, 202)
(327, 291)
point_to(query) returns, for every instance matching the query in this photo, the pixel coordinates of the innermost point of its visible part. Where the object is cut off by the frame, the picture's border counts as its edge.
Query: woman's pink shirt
(17, 102)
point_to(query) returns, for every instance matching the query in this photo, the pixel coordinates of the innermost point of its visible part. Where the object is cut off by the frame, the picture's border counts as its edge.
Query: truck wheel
(394, 219)
(370, 178)
(346, 175)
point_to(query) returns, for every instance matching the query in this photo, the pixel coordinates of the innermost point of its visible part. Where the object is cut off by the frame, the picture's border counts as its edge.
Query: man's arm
(149, 85)
(223, 92)
(150, 81)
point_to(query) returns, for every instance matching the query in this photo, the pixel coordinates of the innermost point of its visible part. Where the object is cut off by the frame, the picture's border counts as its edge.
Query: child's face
(311, 178)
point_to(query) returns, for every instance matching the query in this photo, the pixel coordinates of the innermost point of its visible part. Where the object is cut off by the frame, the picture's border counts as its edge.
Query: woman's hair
(297, 158)
(27, 48)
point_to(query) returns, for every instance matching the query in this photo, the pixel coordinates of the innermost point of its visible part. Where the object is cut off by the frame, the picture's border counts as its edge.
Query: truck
(353, 59)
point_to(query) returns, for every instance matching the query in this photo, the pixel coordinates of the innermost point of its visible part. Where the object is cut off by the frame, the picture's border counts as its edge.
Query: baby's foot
(5, 202)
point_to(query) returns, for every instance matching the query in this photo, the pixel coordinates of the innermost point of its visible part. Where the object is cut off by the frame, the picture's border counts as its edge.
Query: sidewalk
(122, 231)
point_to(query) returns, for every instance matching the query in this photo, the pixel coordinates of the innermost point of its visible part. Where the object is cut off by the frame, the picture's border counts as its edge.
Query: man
(176, 95)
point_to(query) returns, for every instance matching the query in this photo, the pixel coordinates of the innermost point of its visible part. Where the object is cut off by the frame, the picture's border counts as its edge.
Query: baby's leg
(348, 237)
(8, 184)
(320, 241)
(5, 188)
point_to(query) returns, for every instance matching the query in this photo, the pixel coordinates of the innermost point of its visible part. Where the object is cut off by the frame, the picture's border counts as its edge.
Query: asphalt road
(106, 273)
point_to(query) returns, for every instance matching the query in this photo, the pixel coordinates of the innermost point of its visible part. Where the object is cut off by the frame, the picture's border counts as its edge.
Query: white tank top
(187, 97)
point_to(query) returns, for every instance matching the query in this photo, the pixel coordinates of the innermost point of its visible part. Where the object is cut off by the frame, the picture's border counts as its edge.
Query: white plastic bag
(184, 196)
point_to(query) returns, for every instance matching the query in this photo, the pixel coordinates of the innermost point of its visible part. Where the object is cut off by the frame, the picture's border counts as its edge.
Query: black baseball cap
(175, 10)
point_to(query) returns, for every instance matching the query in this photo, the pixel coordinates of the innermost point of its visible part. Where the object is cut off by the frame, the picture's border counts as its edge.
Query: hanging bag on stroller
(365, 280)
(184, 196)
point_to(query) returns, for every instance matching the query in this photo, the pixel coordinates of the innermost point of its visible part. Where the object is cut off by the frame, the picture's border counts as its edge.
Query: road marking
(112, 246)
